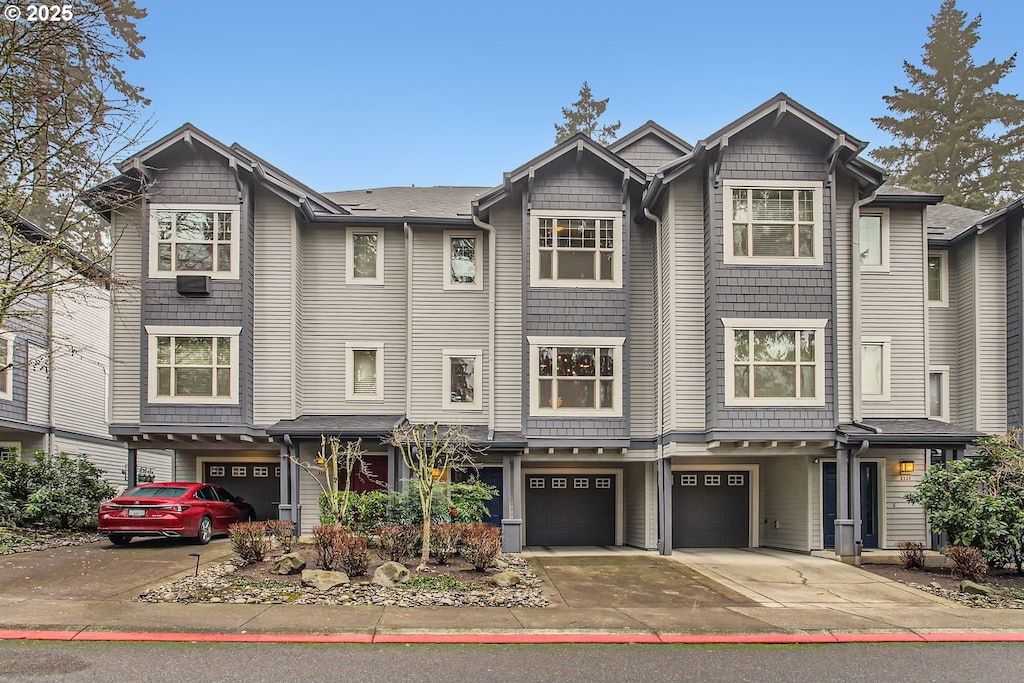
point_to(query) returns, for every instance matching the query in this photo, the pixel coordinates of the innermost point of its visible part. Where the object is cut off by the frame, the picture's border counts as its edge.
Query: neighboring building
(658, 344)
(55, 377)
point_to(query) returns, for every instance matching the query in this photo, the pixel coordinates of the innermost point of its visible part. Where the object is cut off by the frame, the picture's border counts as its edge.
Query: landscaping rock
(291, 563)
(323, 580)
(975, 588)
(504, 579)
(390, 574)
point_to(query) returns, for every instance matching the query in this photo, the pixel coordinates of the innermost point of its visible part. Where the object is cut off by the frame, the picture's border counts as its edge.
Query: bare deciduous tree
(335, 467)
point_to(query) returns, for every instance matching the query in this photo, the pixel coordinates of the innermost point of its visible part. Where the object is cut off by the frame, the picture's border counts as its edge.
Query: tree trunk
(425, 548)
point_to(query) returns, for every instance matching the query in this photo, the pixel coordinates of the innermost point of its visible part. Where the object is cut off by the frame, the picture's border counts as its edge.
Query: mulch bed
(1009, 585)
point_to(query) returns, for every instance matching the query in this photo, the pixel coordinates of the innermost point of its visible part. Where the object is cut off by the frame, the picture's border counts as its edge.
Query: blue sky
(349, 95)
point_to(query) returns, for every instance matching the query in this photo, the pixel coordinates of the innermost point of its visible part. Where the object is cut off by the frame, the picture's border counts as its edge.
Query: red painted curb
(515, 638)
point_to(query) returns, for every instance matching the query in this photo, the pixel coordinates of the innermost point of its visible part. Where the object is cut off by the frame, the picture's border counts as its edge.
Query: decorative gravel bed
(228, 583)
(23, 541)
(983, 601)
(1008, 586)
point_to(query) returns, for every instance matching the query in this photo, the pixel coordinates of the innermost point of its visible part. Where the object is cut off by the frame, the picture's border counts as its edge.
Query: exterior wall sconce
(906, 466)
(436, 473)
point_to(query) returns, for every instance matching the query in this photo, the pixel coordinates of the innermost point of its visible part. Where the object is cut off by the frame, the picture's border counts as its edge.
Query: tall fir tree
(584, 117)
(954, 133)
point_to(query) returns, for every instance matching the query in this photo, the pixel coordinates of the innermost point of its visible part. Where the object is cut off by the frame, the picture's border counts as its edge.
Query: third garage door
(710, 509)
(570, 509)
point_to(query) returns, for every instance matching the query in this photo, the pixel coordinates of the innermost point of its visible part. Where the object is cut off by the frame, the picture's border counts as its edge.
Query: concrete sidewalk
(597, 595)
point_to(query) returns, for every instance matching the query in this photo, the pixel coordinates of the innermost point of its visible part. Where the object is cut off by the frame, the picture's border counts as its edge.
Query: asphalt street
(213, 662)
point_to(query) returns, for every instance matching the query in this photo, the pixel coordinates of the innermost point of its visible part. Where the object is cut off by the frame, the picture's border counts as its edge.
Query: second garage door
(710, 509)
(570, 509)
(259, 483)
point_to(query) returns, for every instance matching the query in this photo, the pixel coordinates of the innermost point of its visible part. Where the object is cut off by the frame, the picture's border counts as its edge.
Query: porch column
(855, 507)
(284, 505)
(845, 547)
(132, 473)
(392, 470)
(293, 481)
(512, 497)
(665, 506)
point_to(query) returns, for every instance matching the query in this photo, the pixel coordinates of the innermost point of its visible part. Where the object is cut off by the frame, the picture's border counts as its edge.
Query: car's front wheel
(120, 539)
(205, 531)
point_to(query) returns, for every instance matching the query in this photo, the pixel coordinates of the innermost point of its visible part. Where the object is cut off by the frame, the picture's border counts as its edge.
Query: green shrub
(911, 554)
(249, 540)
(283, 531)
(397, 542)
(444, 541)
(365, 513)
(481, 544)
(464, 502)
(58, 491)
(968, 563)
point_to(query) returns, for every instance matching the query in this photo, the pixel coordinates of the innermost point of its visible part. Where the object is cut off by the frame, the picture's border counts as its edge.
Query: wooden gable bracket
(142, 169)
(780, 111)
(625, 188)
(238, 181)
(186, 137)
(579, 152)
(833, 156)
(529, 188)
(723, 142)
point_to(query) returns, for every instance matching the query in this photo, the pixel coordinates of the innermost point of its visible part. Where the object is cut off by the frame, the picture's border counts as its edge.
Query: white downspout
(659, 389)
(408, 319)
(855, 322)
(492, 252)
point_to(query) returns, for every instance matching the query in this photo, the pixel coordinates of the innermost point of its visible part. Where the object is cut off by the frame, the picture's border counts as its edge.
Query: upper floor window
(576, 376)
(874, 240)
(875, 368)
(364, 262)
(193, 364)
(938, 278)
(576, 249)
(461, 379)
(463, 265)
(774, 362)
(364, 364)
(770, 223)
(194, 240)
(6, 365)
(938, 392)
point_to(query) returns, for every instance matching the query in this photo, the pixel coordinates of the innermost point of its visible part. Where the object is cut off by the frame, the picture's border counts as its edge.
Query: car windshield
(155, 492)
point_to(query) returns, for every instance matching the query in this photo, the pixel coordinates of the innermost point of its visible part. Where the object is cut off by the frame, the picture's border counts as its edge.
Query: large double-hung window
(774, 362)
(576, 376)
(194, 240)
(773, 223)
(576, 249)
(193, 364)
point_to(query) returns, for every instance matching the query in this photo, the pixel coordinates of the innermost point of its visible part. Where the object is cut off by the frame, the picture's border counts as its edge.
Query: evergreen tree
(954, 133)
(583, 117)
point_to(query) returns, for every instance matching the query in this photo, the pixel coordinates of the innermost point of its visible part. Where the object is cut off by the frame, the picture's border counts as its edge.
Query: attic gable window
(576, 249)
(773, 223)
(194, 240)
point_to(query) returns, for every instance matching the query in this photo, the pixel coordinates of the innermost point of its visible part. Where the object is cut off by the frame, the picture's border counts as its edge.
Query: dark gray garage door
(258, 482)
(570, 509)
(710, 509)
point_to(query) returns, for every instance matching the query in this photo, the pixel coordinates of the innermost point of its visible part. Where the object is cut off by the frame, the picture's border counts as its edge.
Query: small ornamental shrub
(372, 512)
(911, 554)
(481, 544)
(351, 554)
(397, 542)
(326, 544)
(283, 531)
(444, 541)
(249, 541)
(968, 562)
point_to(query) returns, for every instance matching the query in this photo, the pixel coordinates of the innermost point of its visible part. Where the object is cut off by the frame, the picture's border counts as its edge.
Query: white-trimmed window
(576, 249)
(938, 278)
(6, 366)
(194, 240)
(10, 451)
(462, 369)
(773, 223)
(576, 376)
(364, 260)
(193, 364)
(938, 392)
(771, 362)
(875, 353)
(874, 241)
(463, 262)
(364, 365)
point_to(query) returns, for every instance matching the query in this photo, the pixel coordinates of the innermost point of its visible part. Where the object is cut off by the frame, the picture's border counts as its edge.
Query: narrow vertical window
(938, 279)
(365, 259)
(365, 370)
(462, 261)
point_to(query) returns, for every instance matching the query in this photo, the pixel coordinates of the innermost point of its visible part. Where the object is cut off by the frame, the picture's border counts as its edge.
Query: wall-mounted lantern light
(906, 466)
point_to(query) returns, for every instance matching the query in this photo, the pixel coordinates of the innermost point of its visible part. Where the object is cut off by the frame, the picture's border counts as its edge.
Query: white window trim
(943, 279)
(11, 445)
(615, 343)
(731, 259)
(446, 378)
(7, 389)
(883, 241)
(535, 279)
(817, 325)
(350, 277)
(350, 373)
(154, 262)
(154, 331)
(944, 370)
(478, 280)
(886, 344)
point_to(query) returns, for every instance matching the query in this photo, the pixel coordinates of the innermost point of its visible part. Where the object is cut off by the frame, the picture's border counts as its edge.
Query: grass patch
(437, 582)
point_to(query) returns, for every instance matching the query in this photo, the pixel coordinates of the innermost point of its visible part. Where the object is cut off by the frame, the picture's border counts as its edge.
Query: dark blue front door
(493, 477)
(869, 521)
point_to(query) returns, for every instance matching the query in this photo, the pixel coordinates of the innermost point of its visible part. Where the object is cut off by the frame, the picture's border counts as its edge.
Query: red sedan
(172, 509)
